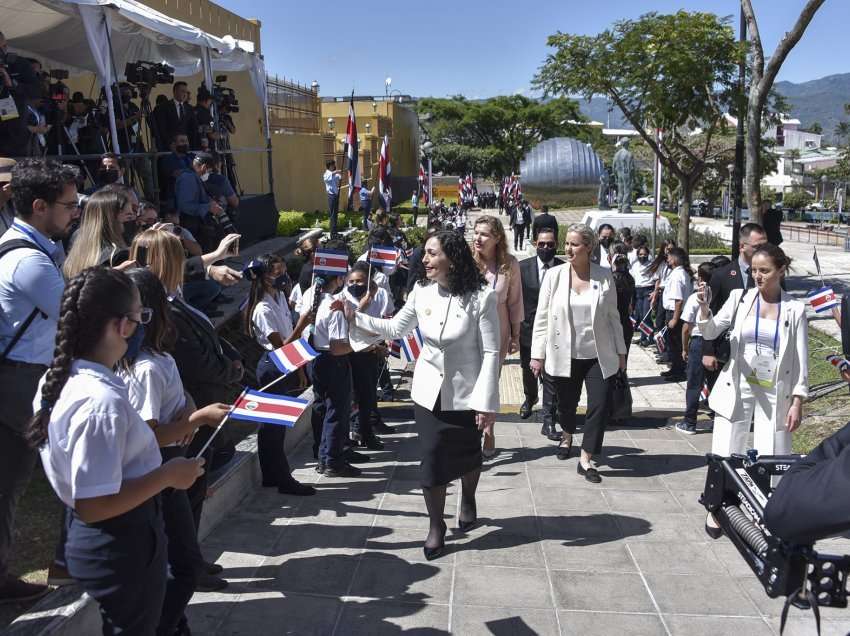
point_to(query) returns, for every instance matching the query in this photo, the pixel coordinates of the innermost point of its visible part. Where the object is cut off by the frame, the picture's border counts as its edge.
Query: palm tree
(842, 130)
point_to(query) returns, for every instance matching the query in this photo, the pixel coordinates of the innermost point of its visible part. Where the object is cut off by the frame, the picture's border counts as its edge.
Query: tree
(816, 128)
(492, 136)
(669, 72)
(762, 77)
(796, 200)
(842, 131)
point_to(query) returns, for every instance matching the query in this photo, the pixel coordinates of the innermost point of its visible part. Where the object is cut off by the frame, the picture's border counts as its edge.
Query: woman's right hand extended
(183, 471)
(536, 367)
(210, 415)
(703, 294)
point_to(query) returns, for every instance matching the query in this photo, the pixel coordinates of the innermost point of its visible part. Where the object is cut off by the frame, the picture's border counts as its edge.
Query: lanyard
(776, 334)
(495, 278)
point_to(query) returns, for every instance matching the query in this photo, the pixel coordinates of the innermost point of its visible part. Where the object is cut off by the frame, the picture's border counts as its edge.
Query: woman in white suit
(766, 378)
(578, 339)
(456, 378)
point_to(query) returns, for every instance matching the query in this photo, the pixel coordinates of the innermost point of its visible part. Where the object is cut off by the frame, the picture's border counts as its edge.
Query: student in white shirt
(644, 286)
(269, 322)
(100, 456)
(660, 272)
(332, 178)
(156, 392)
(678, 287)
(692, 350)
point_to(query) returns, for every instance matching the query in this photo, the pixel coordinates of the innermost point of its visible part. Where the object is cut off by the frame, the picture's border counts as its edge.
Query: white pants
(770, 437)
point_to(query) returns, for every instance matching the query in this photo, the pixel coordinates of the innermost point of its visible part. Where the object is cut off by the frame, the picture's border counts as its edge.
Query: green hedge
(290, 222)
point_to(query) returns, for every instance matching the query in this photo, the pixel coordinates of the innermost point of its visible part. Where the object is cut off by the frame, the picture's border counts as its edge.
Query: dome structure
(561, 171)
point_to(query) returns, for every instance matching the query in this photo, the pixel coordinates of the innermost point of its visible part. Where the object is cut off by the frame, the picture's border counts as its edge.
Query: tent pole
(107, 90)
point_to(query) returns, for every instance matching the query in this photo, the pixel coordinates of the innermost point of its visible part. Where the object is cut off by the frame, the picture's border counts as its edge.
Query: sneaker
(343, 470)
(373, 442)
(58, 576)
(14, 590)
(320, 468)
(688, 428)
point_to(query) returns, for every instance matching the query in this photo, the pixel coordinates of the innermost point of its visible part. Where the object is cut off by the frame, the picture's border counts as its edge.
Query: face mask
(643, 259)
(130, 230)
(358, 290)
(182, 148)
(280, 282)
(605, 242)
(105, 177)
(545, 254)
(205, 177)
(134, 343)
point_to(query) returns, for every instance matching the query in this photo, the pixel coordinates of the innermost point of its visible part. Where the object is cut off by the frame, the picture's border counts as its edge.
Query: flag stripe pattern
(823, 299)
(330, 262)
(383, 256)
(409, 348)
(352, 148)
(645, 328)
(704, 393)
(385, 174)
(292, 356)
(660, 342)
(269, 408)
(838, 362)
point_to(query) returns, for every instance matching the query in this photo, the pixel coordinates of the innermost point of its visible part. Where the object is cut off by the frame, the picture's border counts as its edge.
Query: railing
(804, 234)
(292, 106)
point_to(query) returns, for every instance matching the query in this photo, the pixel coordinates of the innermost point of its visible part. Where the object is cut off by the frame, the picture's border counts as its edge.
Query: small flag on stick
(645, 328)
(383, 256)
(704, 393)
(410, 347)
(839, 362)
(329, 262)
(269, 408)
(660, 342)
(293, 356)
(823, 299)
(817, 264)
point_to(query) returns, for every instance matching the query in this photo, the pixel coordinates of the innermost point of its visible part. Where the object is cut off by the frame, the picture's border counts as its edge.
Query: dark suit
(169, 123)
(530, 278)
(723, 282)
(807, 504)
(544, 220)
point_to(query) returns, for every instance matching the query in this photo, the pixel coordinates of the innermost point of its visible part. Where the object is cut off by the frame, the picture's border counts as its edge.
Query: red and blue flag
(269, 408)
(293, 356)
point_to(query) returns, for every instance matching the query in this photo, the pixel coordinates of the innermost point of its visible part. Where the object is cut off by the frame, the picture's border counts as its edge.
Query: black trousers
(529, 387)
(589, 374)
(18, 383)
(270, 437)
(332, 390)
(519, 234)
(185, 561)
(674, 339)
(364, 380)
(333, 211)
(122, 564)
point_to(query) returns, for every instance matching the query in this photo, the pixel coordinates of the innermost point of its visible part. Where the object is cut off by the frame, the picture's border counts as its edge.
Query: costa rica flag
(839, 362)
(383, 256)
(660, 342)
(411, 346)
(292, 356)
(634, 321)
(823, 299)
(330, 262)
(704, 392)
(645, 328)
(269, 408)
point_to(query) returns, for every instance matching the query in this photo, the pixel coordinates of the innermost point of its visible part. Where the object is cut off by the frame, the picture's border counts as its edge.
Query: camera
(59, 74)
(148, 73)
(224, 97)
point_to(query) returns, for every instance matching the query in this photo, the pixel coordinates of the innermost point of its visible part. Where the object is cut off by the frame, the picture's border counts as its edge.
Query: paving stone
(574, 623)
(716, 626)
(636, 501)
(376, 618)
(394, 579)
(699, 594)
(266, 612)
(665, 527)
(593, 591)
(675, 558)
(603, 557)
(479, 547)
(328, 575)
(560, 498)
(503, 621)
(501, 587)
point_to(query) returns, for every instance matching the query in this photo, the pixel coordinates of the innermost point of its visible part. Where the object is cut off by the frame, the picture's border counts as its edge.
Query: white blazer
(460, 359)
(792, 373)
(550, 340)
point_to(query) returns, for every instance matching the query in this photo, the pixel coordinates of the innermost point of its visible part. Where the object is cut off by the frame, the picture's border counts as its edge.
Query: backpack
(5, 248)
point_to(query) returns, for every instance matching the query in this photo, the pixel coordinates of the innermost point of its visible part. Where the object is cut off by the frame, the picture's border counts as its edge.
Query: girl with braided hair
(101, 458)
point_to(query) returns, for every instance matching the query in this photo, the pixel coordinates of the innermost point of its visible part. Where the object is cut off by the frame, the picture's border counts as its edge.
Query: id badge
(762, 371)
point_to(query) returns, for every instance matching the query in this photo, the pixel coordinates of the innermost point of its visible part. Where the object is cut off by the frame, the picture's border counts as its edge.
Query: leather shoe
(525, 409)
(436, 551)
(14, 590)
(210, 583)
(590, 474)
(296, 488)
(213, 568)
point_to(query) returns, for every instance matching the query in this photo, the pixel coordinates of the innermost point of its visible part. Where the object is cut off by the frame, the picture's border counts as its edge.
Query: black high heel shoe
(436, 551)
(564, 451)
(466, 526)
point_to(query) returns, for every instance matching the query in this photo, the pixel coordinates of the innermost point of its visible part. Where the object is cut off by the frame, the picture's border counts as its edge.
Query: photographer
(219, 188)
(197, 210)
(128, 118)
(207, 134)
(172, 165)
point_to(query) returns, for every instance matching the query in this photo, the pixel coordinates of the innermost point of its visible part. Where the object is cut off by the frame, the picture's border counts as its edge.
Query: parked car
(650, 200)
(636, 221)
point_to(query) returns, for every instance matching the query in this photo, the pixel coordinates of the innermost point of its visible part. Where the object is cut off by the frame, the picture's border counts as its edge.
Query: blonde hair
(498, 231)
(99, 229)
(588, 236)
(165, 256)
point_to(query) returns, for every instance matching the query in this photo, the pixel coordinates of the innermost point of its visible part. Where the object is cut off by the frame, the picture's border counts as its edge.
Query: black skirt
(449, 444)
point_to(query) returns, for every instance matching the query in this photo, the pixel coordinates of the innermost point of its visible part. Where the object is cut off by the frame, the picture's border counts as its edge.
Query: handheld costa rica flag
(634, 322)
(395, 349)
(645, 328)
(330, 262)
(660, 342)
(269, 408)
(822, 299)
(383, 256)
(704, 393)
(839, 362)
(293, 356)
(411, 346)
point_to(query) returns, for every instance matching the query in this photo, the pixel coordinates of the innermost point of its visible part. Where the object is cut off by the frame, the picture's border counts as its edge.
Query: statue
(604, 187)
(624, 169)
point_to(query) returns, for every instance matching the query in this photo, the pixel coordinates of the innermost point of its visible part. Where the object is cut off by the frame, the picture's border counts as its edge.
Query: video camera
(148, 73)
(224, 97)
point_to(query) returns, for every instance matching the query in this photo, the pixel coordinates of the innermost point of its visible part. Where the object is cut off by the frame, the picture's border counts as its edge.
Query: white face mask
(205, 176)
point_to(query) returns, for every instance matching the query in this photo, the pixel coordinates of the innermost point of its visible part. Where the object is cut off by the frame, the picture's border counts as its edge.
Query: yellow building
(377, 117)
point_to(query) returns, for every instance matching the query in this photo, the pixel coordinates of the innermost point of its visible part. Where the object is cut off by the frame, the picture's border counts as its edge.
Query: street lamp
(427, 147)
(368, 127)
(315, 86)
(823, 180)
(331, 123)
(387, 83)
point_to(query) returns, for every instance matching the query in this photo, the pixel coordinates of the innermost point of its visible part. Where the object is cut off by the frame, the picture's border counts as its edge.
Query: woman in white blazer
(578, 339)
(766, 378)
(456, 378)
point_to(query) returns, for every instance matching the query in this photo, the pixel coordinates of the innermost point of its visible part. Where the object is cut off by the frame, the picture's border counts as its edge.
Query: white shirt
(642, 277)
(677, 287)
(96, 439)
(745, 275)
(541, 272)
(330, 325)
(661, 274)
(633, 256)
(581, 326)
(690, 313)
(271, 315)
(295, 296)
(603, 257)
(331, 182)
(154, 387)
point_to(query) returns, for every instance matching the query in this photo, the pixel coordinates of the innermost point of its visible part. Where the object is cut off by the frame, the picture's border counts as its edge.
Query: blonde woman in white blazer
(766, 378)
(456, 378)
(578, 340)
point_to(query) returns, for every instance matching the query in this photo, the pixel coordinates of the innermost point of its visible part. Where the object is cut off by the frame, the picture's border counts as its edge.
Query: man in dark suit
(174, 116)
(532, 270)
(735, 275)
(544, 219)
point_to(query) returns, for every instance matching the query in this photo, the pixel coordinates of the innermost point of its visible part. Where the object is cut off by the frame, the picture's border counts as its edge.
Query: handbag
(621, 397)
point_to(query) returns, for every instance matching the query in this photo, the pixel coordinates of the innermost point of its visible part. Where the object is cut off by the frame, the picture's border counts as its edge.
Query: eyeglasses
(145, 315)
(69, 205)
(545, 244)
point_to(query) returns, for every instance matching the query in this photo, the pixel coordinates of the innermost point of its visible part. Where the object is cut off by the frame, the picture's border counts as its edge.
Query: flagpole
(221, 423)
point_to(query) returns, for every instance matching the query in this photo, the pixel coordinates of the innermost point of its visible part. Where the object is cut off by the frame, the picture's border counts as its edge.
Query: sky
(482, 48)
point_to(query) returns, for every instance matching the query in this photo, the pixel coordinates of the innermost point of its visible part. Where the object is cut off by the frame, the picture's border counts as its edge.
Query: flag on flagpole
(269, 408)
(352, 154)
(292, 356)
(645, 328)
(823, 299)
(410, 347)
(385, 174)
(839, 362)
(383, 256)
(330, 262)
(423, 186)
(816, 260)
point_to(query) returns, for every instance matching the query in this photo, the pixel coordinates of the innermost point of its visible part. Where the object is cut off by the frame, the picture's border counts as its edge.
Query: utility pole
(738, 180)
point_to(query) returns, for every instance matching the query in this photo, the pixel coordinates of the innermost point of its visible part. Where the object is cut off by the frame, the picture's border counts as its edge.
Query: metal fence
(293, 107)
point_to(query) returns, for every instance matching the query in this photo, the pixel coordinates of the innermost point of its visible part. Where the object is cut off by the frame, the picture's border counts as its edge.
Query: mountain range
(821, 100)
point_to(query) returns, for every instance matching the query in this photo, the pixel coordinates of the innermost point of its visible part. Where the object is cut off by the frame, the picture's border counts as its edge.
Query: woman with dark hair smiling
(456, 379)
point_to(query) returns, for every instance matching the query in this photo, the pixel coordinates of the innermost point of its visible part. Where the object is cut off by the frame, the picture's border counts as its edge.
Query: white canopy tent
(101, 36)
